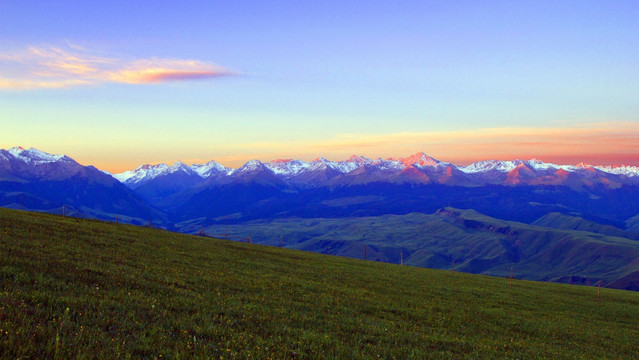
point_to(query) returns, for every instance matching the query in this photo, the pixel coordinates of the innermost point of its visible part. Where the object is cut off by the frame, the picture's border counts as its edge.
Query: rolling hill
(74, 288)
(568, 222)
(475, 242)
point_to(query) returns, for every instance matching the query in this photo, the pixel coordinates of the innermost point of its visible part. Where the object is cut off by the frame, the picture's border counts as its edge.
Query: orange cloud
(597, 143)
(161, 70)
(51, 67)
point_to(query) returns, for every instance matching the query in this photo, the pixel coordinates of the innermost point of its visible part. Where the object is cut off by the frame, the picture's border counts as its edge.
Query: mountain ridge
(513, 172)
(288, 187)
(33, 179)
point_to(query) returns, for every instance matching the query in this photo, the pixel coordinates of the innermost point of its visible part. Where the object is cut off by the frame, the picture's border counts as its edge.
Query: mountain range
(548, 203)
(417, 169)
(517, 190)
(521, 190)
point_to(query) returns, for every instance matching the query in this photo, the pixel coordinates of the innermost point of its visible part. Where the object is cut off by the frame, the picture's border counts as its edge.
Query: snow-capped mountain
(342, 167)
(162, 179)
(33, 179)
(31, 157)
(211, 168)
(141, 173)
(630, 171)
(36, 165)
(147, 172)
(34, 156)
(353, 163)
(255, 172)
(507, 166)
(418, 168)
(520, 189)
(158, 182)
(287, 167)
(420, 160)
(490, 165)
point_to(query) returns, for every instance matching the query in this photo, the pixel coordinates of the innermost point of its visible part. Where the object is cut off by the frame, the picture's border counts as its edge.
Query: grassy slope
(85, 289)
(478, 243)
(568, 222)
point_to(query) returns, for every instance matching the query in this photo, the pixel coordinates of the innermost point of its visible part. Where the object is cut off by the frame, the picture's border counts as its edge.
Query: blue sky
(119, 83)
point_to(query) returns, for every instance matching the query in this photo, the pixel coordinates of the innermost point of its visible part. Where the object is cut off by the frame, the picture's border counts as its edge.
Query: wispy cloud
(46, 67)
(24, 84)
(161, 70)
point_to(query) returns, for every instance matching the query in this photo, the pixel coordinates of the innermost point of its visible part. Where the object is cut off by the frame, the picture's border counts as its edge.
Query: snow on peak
(389, 164)
(148, 172)
(344, 166)
(143, 172)
(508, 166)
(488, 165)
(351, 164)
(355, 162)
(540, 165)
(251, 165)
(210, 168)
(179, 166)
(419, 160)
(321, 163)
(34, 156)
(287, 166)
(630, 171)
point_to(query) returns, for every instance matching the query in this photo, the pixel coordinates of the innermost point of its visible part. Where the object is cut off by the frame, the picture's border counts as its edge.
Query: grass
(477, 243)
(73, 288)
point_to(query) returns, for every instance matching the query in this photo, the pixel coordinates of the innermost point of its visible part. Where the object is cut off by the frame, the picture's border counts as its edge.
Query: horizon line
(458, 163)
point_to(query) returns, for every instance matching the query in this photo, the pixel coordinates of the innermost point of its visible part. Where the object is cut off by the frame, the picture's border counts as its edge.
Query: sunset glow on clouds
(161, 70)
(50, 67)
(596, 143)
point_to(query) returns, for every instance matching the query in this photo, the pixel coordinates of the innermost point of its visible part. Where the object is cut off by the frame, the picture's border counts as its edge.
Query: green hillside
(73, 288)
(477, 243)
(562, 221)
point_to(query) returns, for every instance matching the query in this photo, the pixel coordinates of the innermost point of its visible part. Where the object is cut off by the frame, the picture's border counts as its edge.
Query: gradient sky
(120, 83)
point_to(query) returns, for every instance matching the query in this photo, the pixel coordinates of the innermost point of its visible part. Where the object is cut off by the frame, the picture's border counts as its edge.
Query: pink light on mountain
(419, 159)
(281, 161)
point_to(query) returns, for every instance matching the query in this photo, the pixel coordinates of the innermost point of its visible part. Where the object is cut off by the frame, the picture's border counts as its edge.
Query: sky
(117, 84)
